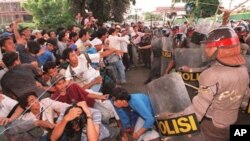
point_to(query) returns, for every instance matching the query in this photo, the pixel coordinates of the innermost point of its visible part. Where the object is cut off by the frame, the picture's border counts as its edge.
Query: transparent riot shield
(193, 58)
(169, 96)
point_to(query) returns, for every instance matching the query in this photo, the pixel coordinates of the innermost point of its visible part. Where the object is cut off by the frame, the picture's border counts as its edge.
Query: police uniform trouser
(212, 133)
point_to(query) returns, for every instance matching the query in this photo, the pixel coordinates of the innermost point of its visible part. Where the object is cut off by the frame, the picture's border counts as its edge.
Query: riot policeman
(167, 49)
(242, 32)
(222, 86)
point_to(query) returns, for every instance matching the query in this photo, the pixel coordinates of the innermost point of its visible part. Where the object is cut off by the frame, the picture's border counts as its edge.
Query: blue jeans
(119, 71)
(96, 87)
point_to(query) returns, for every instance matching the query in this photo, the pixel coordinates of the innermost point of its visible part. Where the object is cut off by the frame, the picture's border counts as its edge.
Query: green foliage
(103, 10)
(50, 13)
(150, 16)
(205, 8)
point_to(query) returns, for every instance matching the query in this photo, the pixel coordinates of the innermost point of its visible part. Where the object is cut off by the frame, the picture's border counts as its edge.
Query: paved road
(136, 78)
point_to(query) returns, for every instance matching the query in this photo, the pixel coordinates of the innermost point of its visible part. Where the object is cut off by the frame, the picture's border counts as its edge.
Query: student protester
(140, 104)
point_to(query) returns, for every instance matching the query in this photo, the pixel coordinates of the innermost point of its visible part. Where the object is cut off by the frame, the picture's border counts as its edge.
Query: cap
(56, 78)
(6, 34)
(36, 31)
(73, 46)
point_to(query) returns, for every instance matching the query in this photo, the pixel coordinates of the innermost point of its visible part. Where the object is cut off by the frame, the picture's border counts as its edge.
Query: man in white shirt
(83, 42)
(115, 60)
(9, 109)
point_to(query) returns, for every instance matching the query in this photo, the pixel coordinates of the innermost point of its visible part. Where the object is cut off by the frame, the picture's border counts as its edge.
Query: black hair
(33, 47)
(60, 29)
(101, 32)
(61, 35)
(81, 121)
(49, 32)
(41, 41)
(23, 100)
(43, 32)
(82, 32)
(22, 29)
(66, 53)
(9, 58)
(120, 94)
(48, 65)
(72, 34)
(52, 41)
(111, 31)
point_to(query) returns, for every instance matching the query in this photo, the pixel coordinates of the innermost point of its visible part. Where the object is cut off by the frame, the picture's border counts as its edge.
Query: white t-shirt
(96, 41)
(124, 44)
(137, 40)
(80, 45)
(6, 105)
(115, 41)
(83, 70)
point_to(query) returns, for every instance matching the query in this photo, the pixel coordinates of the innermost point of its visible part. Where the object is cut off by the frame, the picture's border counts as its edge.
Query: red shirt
(76, 93)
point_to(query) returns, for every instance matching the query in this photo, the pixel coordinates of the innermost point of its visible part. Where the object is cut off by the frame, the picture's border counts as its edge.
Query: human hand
(84, 107)
(4, 121)
(73, 113)
(136, 136)
(105, 97)
(185, 68)
(98, 80)
(1, 97)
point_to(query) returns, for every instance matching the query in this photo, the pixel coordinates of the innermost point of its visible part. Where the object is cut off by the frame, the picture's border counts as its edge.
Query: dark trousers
(212, 133)
(146, 54)
(130, 53)
(125, 60)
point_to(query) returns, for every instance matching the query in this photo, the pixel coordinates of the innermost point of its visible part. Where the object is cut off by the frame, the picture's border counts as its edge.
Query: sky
(150, 5)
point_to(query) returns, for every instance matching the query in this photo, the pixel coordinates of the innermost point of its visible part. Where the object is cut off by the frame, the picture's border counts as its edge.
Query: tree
(103, 10)
(50, 13)
(150, 16)
(205, 8)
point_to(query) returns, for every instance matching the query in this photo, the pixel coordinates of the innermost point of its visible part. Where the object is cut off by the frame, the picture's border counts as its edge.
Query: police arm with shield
(221, 91)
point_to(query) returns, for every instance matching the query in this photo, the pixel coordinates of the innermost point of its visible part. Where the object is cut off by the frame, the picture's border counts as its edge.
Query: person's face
(52, 35)
(9, 46)
(120, 103)
(27, 33)
(50, 47)
(53, 72)
(75, 38)
(38, 35)
(33, 103)
(73, 58)
(86, 37)
(61, 85)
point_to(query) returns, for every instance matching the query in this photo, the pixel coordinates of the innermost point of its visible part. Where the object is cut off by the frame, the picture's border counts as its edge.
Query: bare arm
(17, 35)
(17, 113)
(170, 66)
(145, 47)
(96, 96)
(92, 129)
(59, 128)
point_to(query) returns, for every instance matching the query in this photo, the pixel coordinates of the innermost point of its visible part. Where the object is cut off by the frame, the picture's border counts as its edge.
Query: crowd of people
(66, 84)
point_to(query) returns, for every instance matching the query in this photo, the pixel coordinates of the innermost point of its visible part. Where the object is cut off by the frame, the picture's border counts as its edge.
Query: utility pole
(136, 10)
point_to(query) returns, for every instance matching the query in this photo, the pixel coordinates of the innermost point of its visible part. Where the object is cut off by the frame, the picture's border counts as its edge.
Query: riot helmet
(241, 30)
(223, 44)
(175, 29)
(165, 32)
(180, 40)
